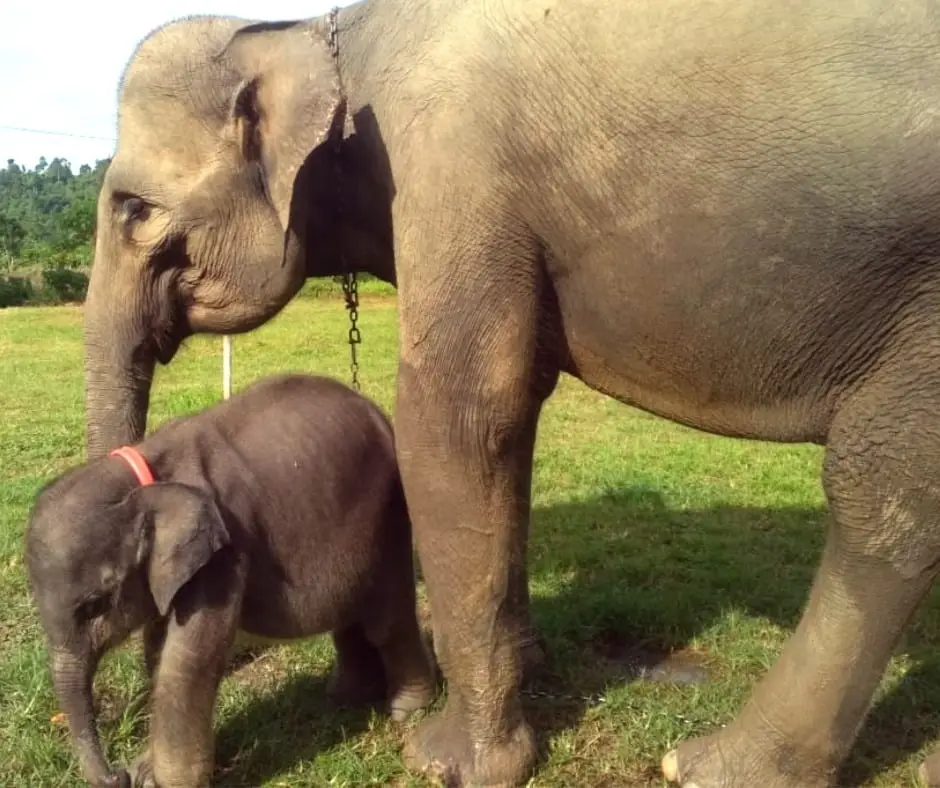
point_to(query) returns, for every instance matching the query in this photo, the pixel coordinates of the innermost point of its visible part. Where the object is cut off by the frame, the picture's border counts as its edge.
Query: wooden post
(226, 366)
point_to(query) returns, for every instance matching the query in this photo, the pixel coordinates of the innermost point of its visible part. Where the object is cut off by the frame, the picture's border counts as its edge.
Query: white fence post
(226, 366)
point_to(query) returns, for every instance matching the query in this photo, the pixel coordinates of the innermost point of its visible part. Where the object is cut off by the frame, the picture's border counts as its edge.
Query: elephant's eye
(133, 208)
(93, 607)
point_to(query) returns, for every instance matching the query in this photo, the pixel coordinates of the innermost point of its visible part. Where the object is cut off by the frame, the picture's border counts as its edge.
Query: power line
(56, 133)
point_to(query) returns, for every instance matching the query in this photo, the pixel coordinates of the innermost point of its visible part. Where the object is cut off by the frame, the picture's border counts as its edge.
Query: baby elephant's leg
(411, 680)
(391, 625)
(199, 635)
(358, 676)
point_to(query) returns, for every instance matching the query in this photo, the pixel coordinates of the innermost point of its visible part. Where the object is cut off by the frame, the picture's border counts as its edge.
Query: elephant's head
(218, 202)
(105, 557)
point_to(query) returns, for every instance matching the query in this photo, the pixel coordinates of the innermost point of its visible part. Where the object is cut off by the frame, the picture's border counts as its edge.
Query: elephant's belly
(697, 402)
(279, 616)
(736, 344)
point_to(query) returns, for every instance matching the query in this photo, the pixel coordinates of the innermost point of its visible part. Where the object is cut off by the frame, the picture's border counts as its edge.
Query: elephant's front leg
(200, 632)
(469, 395)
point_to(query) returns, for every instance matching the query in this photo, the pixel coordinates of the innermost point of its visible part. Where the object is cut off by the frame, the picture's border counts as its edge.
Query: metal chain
(349, 278)
(592, 700)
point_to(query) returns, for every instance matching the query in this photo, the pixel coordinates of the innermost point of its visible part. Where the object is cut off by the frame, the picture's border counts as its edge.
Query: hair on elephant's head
(103, 559)
(200, 224)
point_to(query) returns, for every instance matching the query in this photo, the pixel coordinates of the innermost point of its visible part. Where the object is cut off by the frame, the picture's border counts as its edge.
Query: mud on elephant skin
(735, 225)
(279, 513)
(619, 618)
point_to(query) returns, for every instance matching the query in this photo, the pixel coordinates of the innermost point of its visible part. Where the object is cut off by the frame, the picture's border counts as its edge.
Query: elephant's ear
(183, 530)
(289, 102)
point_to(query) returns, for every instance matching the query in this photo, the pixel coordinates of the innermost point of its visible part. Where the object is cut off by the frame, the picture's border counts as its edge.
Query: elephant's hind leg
(882, 480)
(411, 680)
(390, 622)
(358, 676)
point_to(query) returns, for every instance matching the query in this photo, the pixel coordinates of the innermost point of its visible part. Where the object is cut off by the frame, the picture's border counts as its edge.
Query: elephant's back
(313, 424)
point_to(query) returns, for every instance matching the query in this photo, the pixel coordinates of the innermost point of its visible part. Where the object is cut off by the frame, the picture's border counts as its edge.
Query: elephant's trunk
(72, 676)
(119, 364)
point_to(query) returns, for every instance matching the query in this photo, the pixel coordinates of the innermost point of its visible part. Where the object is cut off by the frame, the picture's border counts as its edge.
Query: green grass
(645, 536)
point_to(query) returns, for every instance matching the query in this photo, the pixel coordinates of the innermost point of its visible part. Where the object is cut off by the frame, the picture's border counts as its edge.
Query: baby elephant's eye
(93, 607)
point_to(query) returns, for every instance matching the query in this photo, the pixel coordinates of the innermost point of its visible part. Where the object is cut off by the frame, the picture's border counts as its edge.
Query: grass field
(647, 538)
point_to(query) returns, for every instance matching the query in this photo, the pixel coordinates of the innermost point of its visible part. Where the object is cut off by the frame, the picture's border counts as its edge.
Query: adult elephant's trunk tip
(115, 415)
(119, 779)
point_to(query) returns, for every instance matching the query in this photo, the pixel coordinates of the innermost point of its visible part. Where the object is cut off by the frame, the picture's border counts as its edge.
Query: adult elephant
(726, 213)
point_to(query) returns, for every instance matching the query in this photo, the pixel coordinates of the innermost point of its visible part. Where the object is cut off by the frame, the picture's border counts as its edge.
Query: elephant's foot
(929, 771)
(119, 779)
(441, 749)
(730, 759)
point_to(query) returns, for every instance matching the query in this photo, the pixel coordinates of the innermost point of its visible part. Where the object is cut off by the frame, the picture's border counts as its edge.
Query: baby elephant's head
(105, 556)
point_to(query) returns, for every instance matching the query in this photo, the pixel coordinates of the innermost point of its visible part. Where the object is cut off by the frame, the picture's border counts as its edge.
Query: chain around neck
(349, 279)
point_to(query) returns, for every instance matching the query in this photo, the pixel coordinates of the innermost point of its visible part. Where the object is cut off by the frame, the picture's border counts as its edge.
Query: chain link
(351, 293)
(349, 278)
(593, 699)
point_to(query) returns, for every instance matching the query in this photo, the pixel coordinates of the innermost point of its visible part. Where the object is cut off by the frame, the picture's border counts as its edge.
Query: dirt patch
(627, 658)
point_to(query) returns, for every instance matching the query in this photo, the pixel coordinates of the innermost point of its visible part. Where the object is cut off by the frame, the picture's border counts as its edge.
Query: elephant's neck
(371, 38)
(361, 240)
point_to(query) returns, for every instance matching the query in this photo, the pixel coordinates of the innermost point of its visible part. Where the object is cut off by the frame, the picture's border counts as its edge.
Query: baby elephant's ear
(187, 530)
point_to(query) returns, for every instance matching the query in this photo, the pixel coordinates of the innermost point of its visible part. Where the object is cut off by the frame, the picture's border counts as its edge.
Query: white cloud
(59, 69)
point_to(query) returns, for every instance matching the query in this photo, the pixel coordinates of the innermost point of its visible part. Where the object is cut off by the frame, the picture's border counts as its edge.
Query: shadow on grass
(905, 719)
(286, 726)
(621, 581)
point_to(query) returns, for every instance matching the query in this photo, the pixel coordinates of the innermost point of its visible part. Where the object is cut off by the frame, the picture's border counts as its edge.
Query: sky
(60, 68)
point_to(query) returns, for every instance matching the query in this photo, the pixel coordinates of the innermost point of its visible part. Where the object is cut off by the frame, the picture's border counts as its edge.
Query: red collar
(137, 463)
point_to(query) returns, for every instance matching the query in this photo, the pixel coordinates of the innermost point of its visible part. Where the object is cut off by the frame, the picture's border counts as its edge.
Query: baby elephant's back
(298, 425)
(331, 513)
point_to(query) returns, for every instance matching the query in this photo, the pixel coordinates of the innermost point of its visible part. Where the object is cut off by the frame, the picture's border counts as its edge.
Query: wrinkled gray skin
(279, 513)
(726, 213)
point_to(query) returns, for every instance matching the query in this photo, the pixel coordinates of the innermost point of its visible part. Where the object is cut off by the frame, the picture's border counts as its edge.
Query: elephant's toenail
(924, 775)
(670, 766)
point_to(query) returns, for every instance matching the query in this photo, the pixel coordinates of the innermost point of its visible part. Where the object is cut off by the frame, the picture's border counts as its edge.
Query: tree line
(47, 226)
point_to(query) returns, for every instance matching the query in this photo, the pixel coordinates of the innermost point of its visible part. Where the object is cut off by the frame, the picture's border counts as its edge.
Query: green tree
(11, 238)
(49, 212)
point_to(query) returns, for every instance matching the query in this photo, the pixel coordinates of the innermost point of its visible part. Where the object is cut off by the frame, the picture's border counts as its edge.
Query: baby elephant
(279, 512)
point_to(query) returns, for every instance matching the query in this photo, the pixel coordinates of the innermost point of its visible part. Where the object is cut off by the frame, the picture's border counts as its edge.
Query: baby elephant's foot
(118, 779)
(412, 698)
(730, 759)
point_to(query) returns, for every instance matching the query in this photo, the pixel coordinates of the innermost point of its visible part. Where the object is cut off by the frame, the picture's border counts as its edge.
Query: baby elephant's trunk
(72, 675)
